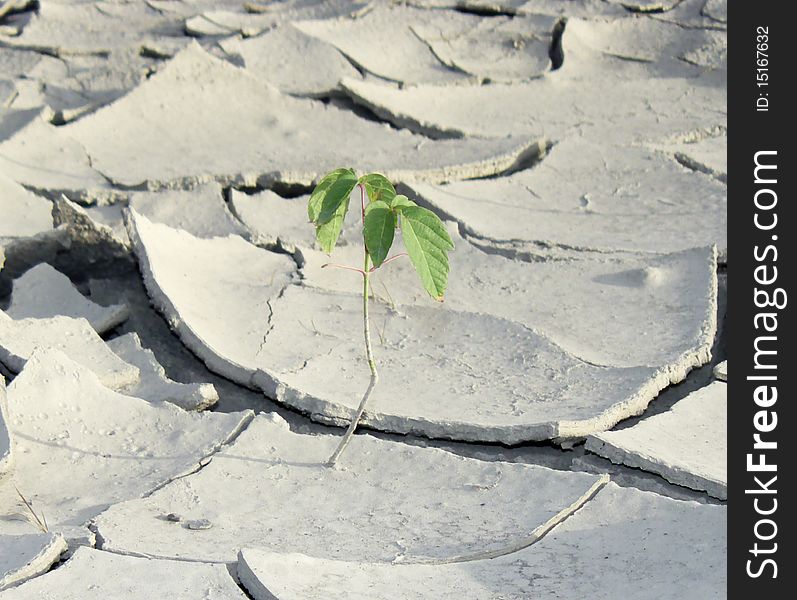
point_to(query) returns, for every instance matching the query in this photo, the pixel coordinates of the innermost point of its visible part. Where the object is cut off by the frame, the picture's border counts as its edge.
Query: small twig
(382, 333)
(389, 296)
(348, 268)
(42, 523)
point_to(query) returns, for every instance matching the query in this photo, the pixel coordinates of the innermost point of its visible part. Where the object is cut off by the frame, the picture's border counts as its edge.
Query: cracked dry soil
(176, 365)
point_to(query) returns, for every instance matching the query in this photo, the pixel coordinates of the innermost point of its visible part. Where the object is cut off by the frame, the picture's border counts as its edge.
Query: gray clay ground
(176, 362)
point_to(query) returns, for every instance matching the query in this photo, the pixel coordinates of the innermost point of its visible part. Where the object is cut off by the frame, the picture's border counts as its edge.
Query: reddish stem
(387, 260)
(348, 268)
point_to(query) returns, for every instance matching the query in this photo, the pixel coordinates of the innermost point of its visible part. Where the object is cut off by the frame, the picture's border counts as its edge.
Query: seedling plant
(383, 211)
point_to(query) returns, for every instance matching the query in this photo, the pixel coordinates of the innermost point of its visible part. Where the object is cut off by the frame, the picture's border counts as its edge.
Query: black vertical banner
(762, 439)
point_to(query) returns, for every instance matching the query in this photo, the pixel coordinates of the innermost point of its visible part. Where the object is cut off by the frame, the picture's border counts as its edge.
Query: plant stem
(384, 262)
(348, 268)
(371, 365)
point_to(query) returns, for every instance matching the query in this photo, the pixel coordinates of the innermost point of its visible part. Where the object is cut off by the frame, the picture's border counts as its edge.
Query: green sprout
(425, 238)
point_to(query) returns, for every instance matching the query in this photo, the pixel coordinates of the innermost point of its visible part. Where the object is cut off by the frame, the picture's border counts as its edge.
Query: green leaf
(378, 187)
(378, 231)
(317, 197)
(400, 202)
(327, 234)
(428, 244)
(337, 193)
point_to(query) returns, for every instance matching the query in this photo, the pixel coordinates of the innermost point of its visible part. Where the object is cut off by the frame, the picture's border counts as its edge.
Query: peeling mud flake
(218, 265)
(496, 377)
(95, 575)
(153, 384)
(24, 214)
(217, 24)
(177, 360)
(97, 232)
(622, 544)
(490, 379)
(79, 447)
(101, 80)
(400, 56)
(163, 47)
(292, 61)
(390, 502)
(640, 39)
(26, 556)
(86, 28)
(604, 110)
(90, 82)
(708, 155)
(110, 217)
(638, 479)
(201, 211)
(492, 49)
(41, 157)
(601, 206)
(686, 445)
(601, 308)
(257, 18)
(272, 220)
(151, 138)
(449, 111)
(19, 338)
(45, 292)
